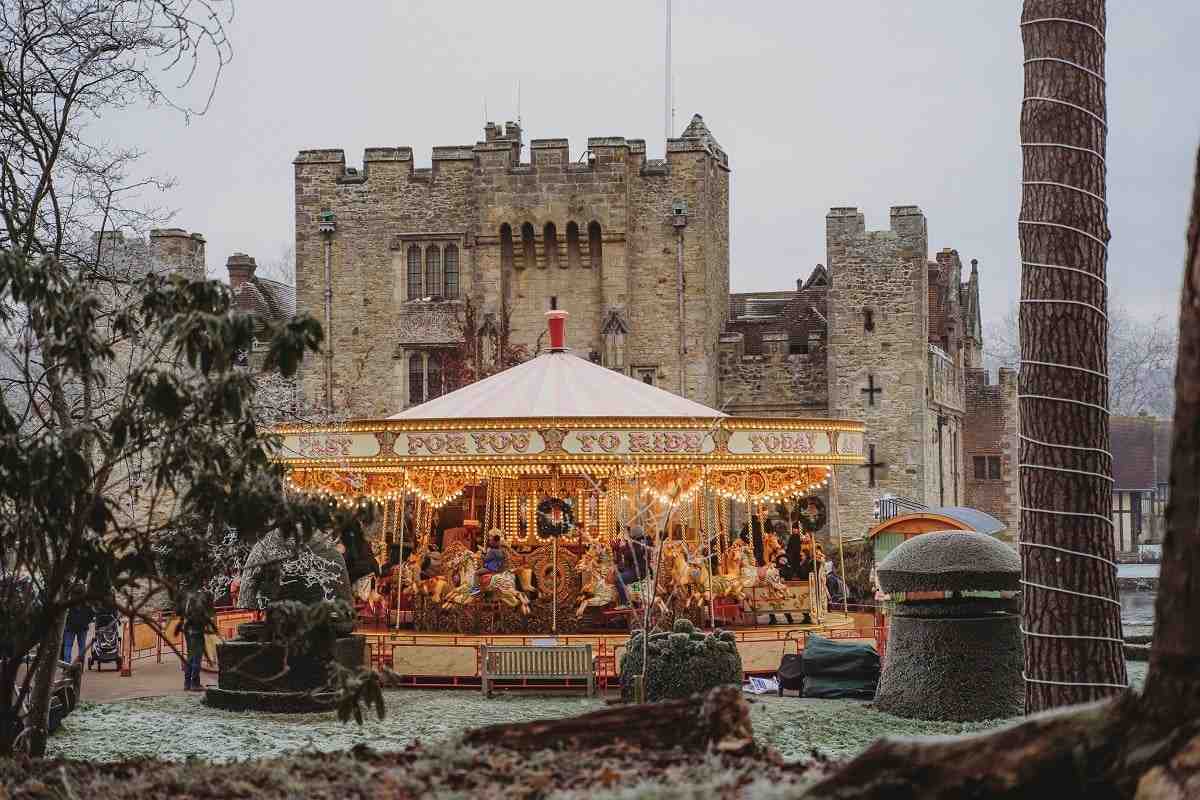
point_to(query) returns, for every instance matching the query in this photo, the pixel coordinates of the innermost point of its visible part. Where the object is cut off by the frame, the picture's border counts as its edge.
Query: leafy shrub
(681, 663)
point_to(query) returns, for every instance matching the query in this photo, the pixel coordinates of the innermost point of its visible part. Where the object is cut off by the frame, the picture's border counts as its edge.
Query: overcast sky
(872, 103)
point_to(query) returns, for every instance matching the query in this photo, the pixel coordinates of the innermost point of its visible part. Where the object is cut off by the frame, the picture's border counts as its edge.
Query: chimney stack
(241, 269)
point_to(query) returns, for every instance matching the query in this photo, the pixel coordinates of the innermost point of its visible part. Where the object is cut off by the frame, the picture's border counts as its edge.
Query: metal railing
(895, 506)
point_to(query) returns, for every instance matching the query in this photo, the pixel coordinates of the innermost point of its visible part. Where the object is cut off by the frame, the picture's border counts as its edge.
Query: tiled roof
(274, 300)
(1133, 449)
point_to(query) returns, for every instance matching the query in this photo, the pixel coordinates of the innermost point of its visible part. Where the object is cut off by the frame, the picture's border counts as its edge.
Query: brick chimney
(241, 269)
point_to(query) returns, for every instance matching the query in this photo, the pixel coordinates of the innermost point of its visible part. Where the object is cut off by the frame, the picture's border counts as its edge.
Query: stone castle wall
(878, 336)
(513, 224)
(991, 430)
(774, 383)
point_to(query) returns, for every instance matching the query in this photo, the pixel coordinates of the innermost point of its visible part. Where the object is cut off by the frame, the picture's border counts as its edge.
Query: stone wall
(878, 339)
(774, 383)
(991, 430)
(515, 226)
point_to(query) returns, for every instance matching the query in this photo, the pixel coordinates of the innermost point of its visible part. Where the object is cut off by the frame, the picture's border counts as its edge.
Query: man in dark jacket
(195, 610)
(79, 619)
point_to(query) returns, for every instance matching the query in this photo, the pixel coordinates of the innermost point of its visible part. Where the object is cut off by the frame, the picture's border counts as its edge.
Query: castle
(637, 250)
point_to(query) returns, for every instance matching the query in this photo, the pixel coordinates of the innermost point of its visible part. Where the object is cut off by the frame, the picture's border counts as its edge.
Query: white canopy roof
(558, 384)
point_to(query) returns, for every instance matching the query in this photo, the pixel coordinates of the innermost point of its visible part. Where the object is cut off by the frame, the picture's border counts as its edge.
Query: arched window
(414, 272)
(573, 259)
(416, 378)
(434, 376)
(450, 264)
(506, 246)
(528, 250)
(868, 319)
(433, 270)
(550, 242)
(594, 246)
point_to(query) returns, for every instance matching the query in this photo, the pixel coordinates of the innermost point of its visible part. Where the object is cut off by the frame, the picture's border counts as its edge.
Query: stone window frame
(450, 268)
(574, 253)
(434, 287)
(415, 368)
(424, 369)
(414, 269)
(417, 248)
(984, 464)
(645, 371)
(595, 245)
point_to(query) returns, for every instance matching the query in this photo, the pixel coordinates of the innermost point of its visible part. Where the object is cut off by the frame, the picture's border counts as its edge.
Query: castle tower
(175, 250)
(637, 250)
(878, 354)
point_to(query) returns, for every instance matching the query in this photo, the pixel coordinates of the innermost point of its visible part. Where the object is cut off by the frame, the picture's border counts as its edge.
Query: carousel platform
(449, 660)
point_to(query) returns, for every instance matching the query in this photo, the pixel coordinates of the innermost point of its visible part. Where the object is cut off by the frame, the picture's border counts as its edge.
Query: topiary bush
(682, 663)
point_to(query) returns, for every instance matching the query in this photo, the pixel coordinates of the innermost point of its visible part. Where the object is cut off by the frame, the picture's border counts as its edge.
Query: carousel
(561, 497)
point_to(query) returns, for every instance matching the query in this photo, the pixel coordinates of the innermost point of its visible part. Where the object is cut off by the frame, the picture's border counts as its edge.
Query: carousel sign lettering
(796, 443)
(501, 442)
(782, 442)
(324, 446)
(631, 442)
(436, 444)
(665, 442)
(467, 443)
(607, 442)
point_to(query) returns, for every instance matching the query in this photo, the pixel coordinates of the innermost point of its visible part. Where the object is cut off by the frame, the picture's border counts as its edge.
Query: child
(493, 559)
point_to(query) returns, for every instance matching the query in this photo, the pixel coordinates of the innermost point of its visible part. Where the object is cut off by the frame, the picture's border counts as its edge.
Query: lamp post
(327, 227)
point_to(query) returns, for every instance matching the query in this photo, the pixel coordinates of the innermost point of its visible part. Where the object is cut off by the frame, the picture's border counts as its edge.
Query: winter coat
(79, 618)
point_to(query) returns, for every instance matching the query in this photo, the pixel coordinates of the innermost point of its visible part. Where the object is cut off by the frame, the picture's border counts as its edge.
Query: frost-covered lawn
(176, 727)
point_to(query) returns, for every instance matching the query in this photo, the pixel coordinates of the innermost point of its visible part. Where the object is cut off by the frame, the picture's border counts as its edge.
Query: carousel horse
(740, 565)
(692, 579)
(596, 590)
(433, 587)
(599, 587)
(501, 585)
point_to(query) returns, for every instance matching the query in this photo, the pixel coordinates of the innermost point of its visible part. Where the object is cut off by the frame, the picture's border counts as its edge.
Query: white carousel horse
(595, 567)
(500, 585)
(740, 556)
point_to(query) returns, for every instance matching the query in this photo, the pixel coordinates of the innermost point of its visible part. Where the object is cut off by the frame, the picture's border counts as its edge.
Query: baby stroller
(106, 644)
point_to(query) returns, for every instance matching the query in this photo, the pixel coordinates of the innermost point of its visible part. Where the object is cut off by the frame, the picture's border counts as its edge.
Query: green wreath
(546, 524)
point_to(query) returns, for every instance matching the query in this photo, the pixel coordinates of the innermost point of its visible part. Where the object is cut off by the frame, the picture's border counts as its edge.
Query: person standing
(79, 619)
(633, 563)
(194, 613)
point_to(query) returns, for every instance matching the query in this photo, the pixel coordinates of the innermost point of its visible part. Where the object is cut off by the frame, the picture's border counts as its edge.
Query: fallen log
(1096, 751)
(719, 719)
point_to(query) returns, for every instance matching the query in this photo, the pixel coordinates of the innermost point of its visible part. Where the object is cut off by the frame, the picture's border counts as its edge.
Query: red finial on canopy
(557, 322)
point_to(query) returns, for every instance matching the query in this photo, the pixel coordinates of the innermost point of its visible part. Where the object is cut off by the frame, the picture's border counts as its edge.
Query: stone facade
(887, 336)
(990, 432)
(620, 241)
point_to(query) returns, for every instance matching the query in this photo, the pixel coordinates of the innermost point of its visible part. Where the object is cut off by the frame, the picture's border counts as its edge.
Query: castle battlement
(501, 149)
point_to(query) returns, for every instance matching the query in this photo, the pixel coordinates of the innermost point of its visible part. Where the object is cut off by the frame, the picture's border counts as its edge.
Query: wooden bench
(532, 662)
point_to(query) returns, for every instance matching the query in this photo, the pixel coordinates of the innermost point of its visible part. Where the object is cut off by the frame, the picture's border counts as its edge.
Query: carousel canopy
(558, 384)
(559, 414)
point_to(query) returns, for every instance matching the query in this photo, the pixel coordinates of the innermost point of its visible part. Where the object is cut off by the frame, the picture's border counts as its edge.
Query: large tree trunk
(1173, 687)
(1067, 547)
